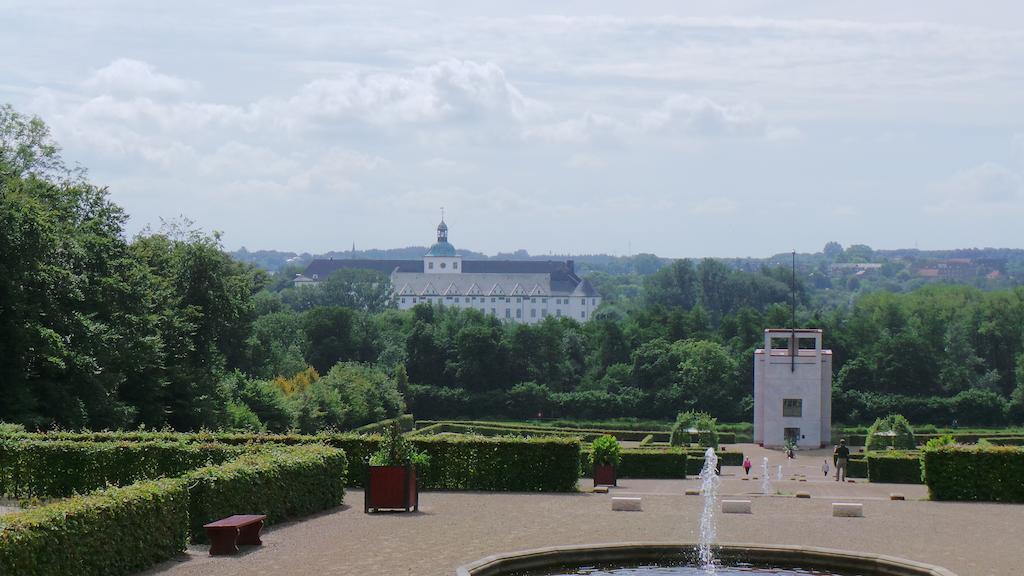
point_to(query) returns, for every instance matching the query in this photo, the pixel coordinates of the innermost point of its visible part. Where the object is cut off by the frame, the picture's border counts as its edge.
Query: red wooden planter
(391, 487)
(604, 475)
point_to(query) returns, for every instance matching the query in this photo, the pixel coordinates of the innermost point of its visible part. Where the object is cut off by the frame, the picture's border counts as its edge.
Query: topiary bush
(606, 451)
(111, 532)
(500, 464)
(646, 463)
(987, 474)
(894, 467)
(893, 431)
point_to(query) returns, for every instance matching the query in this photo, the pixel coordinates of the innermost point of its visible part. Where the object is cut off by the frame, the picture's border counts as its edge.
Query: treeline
(166, 329)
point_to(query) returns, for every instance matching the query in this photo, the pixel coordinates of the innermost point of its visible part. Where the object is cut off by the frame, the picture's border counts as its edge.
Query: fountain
(766, 477)
(778, 474)
(708, 526)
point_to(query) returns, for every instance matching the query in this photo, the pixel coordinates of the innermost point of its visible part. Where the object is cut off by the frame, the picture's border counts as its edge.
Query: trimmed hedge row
(406, 423)
(989, 474)
(645, 463)
(857, 466)
(107, 533)
(922, 439)
(587, 434)
(894, 467)
(500, 464)
(282, 483)
(62, 468)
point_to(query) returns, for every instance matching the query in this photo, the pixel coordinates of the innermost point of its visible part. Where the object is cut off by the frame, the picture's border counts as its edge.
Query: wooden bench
(225, 535)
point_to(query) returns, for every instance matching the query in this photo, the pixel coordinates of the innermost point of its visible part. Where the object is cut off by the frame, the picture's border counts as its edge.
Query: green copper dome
(441, 249)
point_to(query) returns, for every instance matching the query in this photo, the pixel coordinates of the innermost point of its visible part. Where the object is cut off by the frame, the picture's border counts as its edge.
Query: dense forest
(166, 329)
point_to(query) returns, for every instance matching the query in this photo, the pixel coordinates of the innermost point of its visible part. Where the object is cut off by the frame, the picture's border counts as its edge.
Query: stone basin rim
(803, 556)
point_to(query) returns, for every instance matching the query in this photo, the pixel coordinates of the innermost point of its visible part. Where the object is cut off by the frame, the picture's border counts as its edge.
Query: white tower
(792, 389)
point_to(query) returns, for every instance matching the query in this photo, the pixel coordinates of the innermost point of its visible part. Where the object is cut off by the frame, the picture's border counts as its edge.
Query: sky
(684, 129)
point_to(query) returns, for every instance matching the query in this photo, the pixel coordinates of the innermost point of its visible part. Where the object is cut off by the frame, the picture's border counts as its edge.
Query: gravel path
(454, 528)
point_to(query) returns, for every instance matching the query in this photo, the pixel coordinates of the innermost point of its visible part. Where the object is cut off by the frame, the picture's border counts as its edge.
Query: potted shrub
(391, 481)
(606, 458)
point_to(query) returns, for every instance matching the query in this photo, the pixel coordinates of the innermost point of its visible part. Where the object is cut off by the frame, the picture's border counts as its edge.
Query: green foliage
(406, 423)
(501, 464)
(939, 441)
(893, 431)
(395, 450)
(61, 468)
(112, 532)
(699, 424)
(281, 483)
(857, 466)
(606, 451)
(894, 467)
(987, 474)
(645, 463)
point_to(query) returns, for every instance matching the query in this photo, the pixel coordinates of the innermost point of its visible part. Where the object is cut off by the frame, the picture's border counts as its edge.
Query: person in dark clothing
(842, 457)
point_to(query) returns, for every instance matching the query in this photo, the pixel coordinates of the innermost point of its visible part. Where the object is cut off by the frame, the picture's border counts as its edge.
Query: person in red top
(746, 465)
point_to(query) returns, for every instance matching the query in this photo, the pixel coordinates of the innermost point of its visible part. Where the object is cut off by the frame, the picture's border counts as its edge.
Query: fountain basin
(544, 560)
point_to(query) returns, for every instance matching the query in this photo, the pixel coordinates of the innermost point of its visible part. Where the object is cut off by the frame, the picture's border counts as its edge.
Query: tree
(673, 285)
(328, 332)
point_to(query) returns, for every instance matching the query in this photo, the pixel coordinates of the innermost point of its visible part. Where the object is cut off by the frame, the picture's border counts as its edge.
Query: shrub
(892, 431)
(606, 451)
(894, 467)
(939, 441)
(406, 422)
(395, 450)
(282, 483)
(697, 427)
(857, 466)
(681, 430)
(975, 473)
(107, 533)
(62, 468)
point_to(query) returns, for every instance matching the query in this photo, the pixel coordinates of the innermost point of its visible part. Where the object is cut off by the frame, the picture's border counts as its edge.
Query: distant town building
(857, 268)
(521, 291)
(792, 389)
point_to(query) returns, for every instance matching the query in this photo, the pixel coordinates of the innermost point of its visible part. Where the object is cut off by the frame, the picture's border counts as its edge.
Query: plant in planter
(606, 458)
(392, 474)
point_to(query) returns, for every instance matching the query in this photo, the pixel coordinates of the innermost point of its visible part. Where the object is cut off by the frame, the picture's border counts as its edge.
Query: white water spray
(778, 474)
(766, 477)
(710, 483)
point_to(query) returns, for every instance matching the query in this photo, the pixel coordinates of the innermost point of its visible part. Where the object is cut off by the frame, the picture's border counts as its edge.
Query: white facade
(792, 389)
(524, 292)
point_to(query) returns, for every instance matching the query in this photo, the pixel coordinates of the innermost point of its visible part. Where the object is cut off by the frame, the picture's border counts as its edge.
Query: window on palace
(583, 313)
(443, 264)
(455, 265)
(558, 312)
(544, 300)
(519, 313)
(508, 313)
(533, 312)
(792, 407)
(544, 312)
(430, 265)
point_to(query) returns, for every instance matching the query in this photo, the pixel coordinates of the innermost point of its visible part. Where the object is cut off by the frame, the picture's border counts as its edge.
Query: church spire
(442, 229)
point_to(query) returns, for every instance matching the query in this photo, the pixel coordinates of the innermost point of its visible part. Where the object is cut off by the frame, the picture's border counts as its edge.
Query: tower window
(792, 407)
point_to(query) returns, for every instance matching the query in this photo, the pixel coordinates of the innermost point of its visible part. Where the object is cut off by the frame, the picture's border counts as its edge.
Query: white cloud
(127, 76)
(700, 116)
(586, 162)
(456, 91)
(983, 188)
(584, 128)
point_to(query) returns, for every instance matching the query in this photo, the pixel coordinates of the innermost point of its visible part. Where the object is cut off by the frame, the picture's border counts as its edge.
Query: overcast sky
(679, 128)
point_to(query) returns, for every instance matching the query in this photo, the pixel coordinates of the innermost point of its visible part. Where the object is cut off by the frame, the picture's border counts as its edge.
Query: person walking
(746, 466)
(842, 457)
(824, 467)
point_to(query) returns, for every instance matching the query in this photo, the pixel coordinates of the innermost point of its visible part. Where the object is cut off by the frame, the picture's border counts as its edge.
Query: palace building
(522, 291)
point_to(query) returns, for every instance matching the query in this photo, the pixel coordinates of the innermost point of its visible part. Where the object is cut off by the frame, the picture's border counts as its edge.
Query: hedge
(500, 464)
(281, 483)
(980, 473)
(107, 533)
(645, 463)
(406, 423)
(895, 467)
(586, 434)
(857, 466)
(62, 468)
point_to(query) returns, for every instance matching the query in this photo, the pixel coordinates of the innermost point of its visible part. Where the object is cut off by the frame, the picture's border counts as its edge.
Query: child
(746, 466)
(824, 467)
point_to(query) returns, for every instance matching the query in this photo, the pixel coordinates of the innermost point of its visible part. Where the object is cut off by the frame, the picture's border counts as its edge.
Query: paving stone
(803, 494)
(896, 496)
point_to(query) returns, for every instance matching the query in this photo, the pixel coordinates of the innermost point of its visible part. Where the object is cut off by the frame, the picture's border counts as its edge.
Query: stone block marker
(736, 507)
(626, 504)
(803, 494)
(600, 490)
(847, 510)
(693, 492)
(896, 496)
